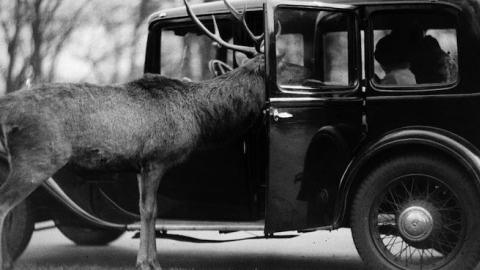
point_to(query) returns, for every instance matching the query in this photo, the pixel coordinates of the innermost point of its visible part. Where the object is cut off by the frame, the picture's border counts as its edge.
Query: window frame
(370, 48)
(353, 55)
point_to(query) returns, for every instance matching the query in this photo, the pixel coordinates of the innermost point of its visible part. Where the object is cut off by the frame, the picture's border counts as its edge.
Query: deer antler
(249, 51)
(241, 17)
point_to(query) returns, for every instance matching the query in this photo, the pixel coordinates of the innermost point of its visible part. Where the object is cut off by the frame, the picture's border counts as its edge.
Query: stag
(147, 125)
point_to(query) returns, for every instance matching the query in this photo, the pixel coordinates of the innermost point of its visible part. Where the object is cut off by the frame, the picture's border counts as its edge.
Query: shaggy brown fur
(146, 125)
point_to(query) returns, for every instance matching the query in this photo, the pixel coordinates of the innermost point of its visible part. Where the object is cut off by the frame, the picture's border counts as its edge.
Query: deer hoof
(148, 265)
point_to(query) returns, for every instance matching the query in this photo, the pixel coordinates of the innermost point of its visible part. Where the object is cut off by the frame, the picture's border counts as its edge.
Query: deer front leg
(148, 181)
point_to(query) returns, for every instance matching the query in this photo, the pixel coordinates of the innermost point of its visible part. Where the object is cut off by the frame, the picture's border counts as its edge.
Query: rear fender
(421, 138)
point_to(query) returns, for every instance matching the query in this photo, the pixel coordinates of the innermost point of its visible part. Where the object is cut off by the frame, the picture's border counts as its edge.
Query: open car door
(315, 106)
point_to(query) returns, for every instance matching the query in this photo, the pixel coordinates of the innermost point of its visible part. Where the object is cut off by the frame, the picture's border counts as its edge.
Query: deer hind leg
(23, 179)
(148, 181)
(33, 159)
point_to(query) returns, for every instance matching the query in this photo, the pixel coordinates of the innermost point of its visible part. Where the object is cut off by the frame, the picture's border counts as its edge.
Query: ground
(49, 250)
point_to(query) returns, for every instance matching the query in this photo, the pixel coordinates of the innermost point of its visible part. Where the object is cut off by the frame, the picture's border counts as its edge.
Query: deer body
(154, 117)
(146, 125)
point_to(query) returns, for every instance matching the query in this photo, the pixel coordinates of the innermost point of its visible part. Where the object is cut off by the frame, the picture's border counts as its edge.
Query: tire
(417, 212)
(89, 236)
(19, 226)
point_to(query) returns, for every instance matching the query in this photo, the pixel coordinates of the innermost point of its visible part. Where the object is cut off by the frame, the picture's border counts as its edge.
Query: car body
(330, 125)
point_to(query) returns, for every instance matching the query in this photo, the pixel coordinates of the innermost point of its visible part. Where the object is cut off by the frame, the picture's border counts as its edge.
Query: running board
(160, 224)
(196, 225)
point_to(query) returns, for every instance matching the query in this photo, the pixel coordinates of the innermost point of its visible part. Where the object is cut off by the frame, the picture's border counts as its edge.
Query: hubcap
(415, 223)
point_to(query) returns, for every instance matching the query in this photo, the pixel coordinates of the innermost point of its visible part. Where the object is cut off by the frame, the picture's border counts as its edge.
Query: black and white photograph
(240, 134)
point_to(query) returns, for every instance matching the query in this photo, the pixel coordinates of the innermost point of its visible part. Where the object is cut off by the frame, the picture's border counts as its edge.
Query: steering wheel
(218, 67)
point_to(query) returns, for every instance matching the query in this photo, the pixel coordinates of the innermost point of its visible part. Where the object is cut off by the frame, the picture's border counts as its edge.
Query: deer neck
(231, 103)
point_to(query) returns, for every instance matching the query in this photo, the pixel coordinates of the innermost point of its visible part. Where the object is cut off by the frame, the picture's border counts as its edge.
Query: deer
(146, 125)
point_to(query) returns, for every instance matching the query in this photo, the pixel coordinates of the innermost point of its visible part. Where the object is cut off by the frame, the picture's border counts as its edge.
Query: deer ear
(241, 58)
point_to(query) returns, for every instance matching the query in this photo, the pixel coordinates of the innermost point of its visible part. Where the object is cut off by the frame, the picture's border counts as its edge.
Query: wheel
(18, 227)
(19, 223)
(417, 212)
(89, 236)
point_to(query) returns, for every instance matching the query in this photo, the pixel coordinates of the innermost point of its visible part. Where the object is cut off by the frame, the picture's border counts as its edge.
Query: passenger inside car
(430, 63)
(393, 55)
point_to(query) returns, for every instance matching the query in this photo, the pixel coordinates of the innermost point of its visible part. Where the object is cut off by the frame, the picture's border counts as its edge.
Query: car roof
(218, 7)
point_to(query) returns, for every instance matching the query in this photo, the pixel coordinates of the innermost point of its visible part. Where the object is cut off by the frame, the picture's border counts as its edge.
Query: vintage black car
(371, 122)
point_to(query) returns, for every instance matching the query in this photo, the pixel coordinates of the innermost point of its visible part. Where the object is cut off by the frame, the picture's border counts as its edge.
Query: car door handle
(283, 115)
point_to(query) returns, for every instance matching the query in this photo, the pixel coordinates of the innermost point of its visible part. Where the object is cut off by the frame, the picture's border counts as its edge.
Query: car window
(313, 49)
(186, 52)
(414, 48)
(335, 55)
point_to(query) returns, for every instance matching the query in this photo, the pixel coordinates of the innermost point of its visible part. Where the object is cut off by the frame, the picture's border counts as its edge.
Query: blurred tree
(143, 10)
(13, 71)
(73, 40)
(117, 53)
(35, 32)
(50, 31)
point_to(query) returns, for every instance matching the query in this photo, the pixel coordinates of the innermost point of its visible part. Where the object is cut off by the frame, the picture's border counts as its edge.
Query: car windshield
(186, 52)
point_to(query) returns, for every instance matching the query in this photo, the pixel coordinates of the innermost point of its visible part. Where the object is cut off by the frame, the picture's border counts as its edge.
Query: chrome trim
(313, 4)
(44, 225)
(297, 99)
(316, 92)
(54, 189)
(194, 225)
(286, 99)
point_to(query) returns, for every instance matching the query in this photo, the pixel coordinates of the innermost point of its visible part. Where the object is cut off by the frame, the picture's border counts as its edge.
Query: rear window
(414, 49)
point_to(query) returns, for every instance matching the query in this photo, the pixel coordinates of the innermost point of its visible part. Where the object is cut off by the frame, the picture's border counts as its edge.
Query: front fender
(56, 191)
(429, 137)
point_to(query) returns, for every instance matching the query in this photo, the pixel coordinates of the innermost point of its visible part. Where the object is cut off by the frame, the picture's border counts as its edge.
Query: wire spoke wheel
(417, 222)
(417, 212)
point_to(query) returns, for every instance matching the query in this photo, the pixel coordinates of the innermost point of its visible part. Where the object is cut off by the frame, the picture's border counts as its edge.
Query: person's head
(392, 52)
(430, 62)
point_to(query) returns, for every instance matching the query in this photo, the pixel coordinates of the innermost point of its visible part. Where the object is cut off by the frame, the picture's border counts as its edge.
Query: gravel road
(318, 250)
